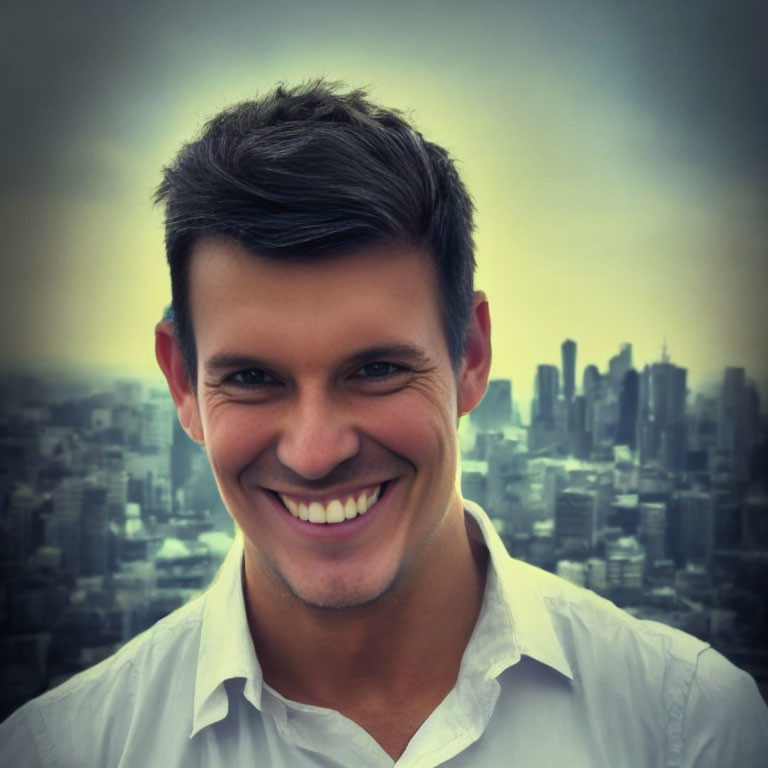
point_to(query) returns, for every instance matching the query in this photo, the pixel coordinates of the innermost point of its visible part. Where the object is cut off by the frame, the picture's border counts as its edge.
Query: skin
(317, 379)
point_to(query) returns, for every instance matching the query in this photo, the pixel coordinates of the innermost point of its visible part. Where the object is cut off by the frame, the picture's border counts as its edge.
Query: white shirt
(552, 676)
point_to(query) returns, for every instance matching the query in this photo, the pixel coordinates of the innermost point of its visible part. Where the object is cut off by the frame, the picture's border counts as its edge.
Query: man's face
(327, 405)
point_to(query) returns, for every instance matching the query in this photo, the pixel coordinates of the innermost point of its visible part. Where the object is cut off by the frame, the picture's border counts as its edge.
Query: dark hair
(310, 170)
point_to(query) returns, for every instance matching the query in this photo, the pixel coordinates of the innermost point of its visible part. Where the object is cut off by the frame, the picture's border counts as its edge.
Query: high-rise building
(592, 385)
(737, 419)
(580, 437)
(474, 477)
(626, 429)
(542, 549)
(696, 526)
(507, 486)
(547, 433)
(618, 366)
(597, 574)
(157, 419)
(576, 519)
(19, 540)
(63, 527)
(546, 391)
(653, 527)
(495, 409)
(662, 395)
(624, 513)
(94, 528)
(115, 478)
(625, 564)
(752, 414)
(568, 353)
(605, 417)
(554, 480)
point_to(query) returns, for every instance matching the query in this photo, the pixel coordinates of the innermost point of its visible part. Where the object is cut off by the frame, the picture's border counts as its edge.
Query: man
(326, 339)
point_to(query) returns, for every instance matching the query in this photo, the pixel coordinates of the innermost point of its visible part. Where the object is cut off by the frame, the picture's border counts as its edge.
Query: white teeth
(316, 512)
(334, 511)
(364, 503)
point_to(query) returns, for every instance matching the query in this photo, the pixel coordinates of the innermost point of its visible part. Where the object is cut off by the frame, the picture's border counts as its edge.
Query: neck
(406, 644)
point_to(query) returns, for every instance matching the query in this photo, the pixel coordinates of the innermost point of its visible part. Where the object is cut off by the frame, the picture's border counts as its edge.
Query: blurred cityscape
(655, 497)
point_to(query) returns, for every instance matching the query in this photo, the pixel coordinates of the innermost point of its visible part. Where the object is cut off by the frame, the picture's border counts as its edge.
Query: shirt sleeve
(20, 745)
(726, 720)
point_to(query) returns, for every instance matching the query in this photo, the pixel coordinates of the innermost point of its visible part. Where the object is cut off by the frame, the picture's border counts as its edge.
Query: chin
(342, 596)
(335, 604)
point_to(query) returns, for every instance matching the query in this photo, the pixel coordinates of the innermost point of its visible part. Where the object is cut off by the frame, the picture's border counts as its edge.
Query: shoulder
(726, 717)
(583, 620)
(587, 623)
(708, 711)
(82, 720)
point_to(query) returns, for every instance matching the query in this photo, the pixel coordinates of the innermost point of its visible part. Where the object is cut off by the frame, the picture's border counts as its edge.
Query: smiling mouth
(334, 510)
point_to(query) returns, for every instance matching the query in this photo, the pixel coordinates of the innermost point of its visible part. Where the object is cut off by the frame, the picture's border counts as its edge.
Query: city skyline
(697, 383)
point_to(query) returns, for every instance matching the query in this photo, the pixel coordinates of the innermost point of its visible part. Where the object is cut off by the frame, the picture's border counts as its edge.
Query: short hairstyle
(310, 171)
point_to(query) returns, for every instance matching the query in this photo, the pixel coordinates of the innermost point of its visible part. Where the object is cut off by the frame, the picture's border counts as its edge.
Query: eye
(251, 377)
(378, 370)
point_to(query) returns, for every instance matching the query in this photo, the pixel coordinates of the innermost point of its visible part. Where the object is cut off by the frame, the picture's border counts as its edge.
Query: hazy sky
(616, 151)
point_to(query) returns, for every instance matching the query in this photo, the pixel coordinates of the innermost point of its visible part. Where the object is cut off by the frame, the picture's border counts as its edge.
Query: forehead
(381, 294)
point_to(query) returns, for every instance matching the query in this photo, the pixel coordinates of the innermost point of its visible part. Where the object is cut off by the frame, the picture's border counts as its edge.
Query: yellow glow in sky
(594, 221)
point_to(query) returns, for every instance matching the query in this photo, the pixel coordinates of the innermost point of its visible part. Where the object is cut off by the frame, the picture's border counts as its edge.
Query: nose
(317, 436)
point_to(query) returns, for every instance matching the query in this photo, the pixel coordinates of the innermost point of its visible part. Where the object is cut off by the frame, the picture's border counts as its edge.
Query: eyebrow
(406, 353)
(226, 361)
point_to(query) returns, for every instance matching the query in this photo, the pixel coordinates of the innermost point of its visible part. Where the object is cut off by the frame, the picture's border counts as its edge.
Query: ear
(171, 362)
(476, 360)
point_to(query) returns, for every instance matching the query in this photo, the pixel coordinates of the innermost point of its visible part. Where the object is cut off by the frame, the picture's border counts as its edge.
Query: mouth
(334, 510)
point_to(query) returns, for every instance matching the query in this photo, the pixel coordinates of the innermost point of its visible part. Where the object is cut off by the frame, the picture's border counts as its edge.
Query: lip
(331, 532)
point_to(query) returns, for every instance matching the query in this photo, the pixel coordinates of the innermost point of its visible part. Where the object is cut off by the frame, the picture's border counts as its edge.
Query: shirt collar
(513, 622)
(226, 648)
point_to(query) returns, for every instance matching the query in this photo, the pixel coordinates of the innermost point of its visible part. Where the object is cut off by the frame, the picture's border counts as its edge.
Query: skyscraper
(731, 418)
(662, 413)
(618, 366)
(568, 353)
(628, 402)
(94, 526)
(696, 526)
(591, 387)
(547, 389)
(495, 409)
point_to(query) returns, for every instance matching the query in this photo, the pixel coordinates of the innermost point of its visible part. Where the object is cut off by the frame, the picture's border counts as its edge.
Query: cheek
(414, 429)
(234, 437)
